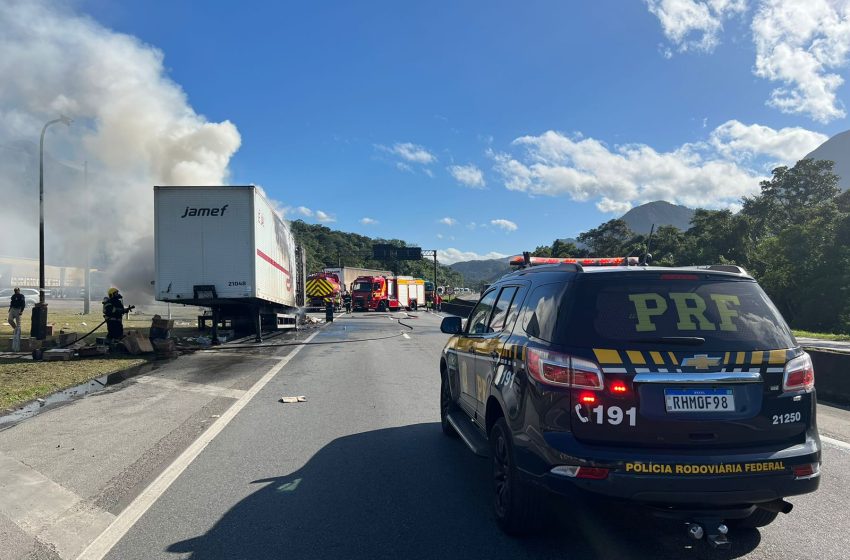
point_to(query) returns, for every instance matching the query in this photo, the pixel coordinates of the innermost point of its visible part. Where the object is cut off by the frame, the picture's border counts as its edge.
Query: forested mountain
(661, 213)
(482, 271)
(328, 247)
(836, 149)
(793, 237)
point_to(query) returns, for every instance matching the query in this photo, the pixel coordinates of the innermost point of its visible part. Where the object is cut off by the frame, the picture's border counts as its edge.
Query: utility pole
(87, 272)
(38, 328)
(432, 253)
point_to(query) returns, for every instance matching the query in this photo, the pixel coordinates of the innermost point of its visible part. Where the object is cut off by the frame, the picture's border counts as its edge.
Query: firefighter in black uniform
(113, 312)
(346, 301)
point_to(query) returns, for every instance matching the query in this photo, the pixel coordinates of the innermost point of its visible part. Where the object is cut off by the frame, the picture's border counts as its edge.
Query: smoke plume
(132, 124)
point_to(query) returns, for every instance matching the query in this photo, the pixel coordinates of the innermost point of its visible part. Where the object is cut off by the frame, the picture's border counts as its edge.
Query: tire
(446, 406)
(382, 306)
(759, 518)
(518, 507)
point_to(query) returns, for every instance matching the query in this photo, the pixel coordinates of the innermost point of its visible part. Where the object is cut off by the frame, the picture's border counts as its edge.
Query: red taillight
(587, 398)
(619, 387)
(553, 368)
(592, 473)
(799, 374)
(588, 473)
(805, 471)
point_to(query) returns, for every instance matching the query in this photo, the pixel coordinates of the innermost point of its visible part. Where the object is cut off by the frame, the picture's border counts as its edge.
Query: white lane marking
(404, 334)
(176, 384)
(836, 443)
(101, 546)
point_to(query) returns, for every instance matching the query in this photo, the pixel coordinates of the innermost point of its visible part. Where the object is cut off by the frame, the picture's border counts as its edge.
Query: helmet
(111, 292)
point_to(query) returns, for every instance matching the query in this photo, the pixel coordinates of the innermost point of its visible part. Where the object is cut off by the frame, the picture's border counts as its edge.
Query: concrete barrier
(459, 307)
(832, 375)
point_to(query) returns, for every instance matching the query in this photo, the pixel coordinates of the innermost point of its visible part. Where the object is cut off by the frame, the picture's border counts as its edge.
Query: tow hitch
(714, 531)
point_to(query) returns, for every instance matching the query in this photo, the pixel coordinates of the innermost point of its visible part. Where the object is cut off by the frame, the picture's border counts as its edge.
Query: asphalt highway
(361, 471)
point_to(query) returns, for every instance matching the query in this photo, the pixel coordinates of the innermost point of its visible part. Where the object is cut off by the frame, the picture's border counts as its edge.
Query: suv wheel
(759, 518)
(446, 406)
(516, 505)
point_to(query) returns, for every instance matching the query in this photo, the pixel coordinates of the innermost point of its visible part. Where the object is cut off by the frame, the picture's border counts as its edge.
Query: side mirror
(451, 325)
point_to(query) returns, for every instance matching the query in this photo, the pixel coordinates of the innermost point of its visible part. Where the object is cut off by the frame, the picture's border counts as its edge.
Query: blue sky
(520, 121)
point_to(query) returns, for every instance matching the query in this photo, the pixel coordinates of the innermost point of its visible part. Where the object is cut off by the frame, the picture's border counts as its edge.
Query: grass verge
(822, 336)
(23, 380)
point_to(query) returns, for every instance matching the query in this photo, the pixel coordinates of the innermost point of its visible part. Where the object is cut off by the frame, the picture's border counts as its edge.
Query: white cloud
(368, 221)
(469, 175)
(713, 173)
(737, 141)
(694, 24)
(324, 217)
(612, 206)
(401, 166)
(448, 221)
(439, 236)
(504, 224)
(304, 211)
(801, 44)
(410, 152)
(452, 255)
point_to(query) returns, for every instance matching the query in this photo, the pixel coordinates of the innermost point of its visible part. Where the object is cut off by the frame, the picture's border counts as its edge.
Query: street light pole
(39, 311)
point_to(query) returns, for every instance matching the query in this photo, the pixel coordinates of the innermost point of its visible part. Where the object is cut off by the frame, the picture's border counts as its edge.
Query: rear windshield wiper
(683, 340)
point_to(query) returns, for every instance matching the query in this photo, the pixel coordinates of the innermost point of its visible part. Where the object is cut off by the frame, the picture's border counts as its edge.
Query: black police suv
(681, 389)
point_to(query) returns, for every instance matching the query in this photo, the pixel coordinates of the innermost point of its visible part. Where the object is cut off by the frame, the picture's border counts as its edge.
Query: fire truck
(387, 293)
(323, 288)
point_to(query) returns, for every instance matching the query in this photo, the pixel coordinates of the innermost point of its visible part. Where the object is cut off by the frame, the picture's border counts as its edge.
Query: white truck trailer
(227, 249)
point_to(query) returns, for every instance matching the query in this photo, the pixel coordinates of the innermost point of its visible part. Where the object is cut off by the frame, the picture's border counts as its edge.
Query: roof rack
(526, 260)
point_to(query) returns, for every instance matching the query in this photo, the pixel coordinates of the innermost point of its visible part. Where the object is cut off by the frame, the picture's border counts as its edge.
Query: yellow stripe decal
(673, 358)
(607, 356)
(777, 357)
(636, 357)
(739, 358)
(656, 358)
(726, 358)
(757, 357)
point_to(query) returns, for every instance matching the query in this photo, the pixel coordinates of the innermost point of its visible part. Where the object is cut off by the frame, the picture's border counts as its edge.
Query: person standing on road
(17, 304)
(346, 301)
(113, 312)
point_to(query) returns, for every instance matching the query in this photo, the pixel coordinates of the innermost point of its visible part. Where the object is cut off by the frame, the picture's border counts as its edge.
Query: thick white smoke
(132, 124)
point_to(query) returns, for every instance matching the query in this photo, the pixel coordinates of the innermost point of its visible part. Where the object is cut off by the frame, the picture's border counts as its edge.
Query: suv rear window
(618, 311)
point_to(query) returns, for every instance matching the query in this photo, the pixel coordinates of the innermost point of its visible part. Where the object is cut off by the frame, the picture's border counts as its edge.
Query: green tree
(715, 236)
(608, 240)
